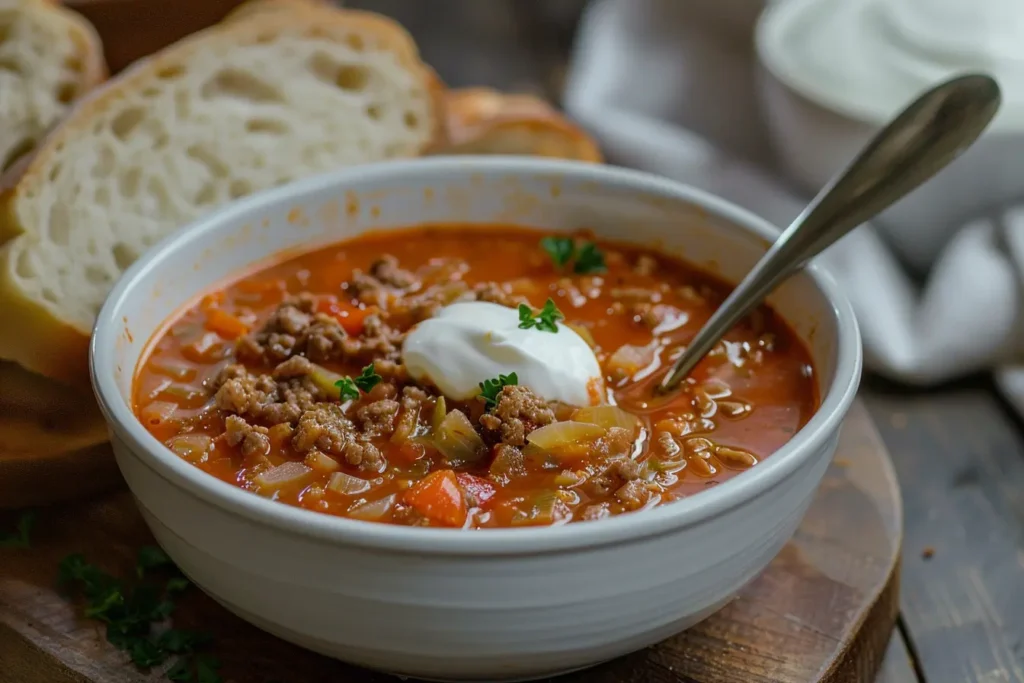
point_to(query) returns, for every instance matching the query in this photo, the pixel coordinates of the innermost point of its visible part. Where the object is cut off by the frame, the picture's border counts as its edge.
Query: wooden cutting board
(822, 611)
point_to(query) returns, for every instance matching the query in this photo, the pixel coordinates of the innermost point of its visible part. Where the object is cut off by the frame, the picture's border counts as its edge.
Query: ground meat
(378, 418)
(619, 472)
(517, 413)
(253, 439)
(384, 278)
(281, 333)
(378, 342)
(296, 366)
(261, 398)
(496, 294)
(326, 428)
(633, 495)
(508, 464)
(386, 270)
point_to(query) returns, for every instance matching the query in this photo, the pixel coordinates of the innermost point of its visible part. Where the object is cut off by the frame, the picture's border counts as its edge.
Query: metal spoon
(931, 132)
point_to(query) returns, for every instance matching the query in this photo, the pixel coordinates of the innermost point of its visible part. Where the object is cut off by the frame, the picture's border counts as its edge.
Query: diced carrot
(439, 498)
(210, 301)
(261, 286)
(351, 318)
(476, 487)
(225, 324)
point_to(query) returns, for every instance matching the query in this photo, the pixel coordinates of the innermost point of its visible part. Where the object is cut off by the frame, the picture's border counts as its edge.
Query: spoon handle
(927, 135)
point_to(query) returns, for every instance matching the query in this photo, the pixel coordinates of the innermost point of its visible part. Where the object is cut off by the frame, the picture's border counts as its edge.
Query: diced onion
(158, 413)
(348, 485)
(287, 473)
(457, 440)
(175, 369)
(374, 510)
(321, 462)
(559, 435)
(607, 417)
(628, 359)
(191, 447)
(325, 380)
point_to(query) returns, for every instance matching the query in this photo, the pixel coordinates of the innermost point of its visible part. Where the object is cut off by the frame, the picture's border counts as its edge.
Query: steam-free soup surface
(290, 383)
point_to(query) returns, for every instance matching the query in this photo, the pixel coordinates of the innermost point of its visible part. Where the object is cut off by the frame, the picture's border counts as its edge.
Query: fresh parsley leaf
(131, 612)
(181, 671)
(560, 249)
(490, 388)
(590, 259)
(369, 379)
(151, 557)
(20, 537)
(545, 320)
(145, 653)
(347, 389)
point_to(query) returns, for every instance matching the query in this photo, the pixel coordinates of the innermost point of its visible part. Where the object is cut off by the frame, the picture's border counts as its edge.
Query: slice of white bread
(49, 56)
(485, 121)
(254, 102)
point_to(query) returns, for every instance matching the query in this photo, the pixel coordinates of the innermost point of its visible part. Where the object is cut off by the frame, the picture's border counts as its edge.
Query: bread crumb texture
(248, 105)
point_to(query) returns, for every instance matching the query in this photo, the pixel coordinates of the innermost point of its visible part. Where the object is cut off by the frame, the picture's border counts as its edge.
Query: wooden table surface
(958, 449)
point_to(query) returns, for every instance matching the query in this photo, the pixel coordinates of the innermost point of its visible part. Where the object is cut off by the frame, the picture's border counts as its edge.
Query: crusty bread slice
(485, 121)
(49, 56)
(251, 103)
(248, 9)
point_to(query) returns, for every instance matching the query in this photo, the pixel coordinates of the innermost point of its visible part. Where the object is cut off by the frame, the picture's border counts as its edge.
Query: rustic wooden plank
(897, 667)
(959, 455)
(822, 611)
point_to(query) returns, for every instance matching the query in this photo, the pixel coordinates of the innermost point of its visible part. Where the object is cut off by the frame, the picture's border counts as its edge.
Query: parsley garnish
(369, 379)
(20, 537)
(349, 388)
(490, 388)
(559, 249)
(131, 614)
(588, 258)
(544, 321)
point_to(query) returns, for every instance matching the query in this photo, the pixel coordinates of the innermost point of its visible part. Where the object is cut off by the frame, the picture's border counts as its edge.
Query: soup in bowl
(405, 415)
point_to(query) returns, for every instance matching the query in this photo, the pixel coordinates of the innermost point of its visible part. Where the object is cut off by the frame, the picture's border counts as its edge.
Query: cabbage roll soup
(470, 377)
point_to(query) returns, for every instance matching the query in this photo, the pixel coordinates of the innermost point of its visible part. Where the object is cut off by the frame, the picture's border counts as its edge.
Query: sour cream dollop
(467, 343)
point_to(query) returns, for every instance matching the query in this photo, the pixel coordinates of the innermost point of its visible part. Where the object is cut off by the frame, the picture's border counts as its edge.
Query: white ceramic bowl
(815, 134)
(500, 604)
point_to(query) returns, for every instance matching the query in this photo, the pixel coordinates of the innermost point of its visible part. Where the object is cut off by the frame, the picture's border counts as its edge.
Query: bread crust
(34, 335)
(485, 121)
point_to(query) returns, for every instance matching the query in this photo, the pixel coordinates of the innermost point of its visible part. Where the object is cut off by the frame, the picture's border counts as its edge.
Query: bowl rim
(823, 425)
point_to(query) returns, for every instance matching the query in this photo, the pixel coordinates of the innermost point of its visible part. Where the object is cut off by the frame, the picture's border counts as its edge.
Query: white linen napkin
(668, 86)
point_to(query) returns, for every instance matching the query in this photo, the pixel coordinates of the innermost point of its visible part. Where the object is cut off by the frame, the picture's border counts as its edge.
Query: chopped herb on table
(132, 614)
(21, 536)
(349, 387)
(589, 259)
(545, 320)
(490, 388)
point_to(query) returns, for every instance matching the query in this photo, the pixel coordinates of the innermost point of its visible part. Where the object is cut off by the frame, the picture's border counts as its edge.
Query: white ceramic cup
(496, 604)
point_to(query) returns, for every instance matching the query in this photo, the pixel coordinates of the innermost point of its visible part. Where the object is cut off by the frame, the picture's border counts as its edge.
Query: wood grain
(961, 462)
(822, 611)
